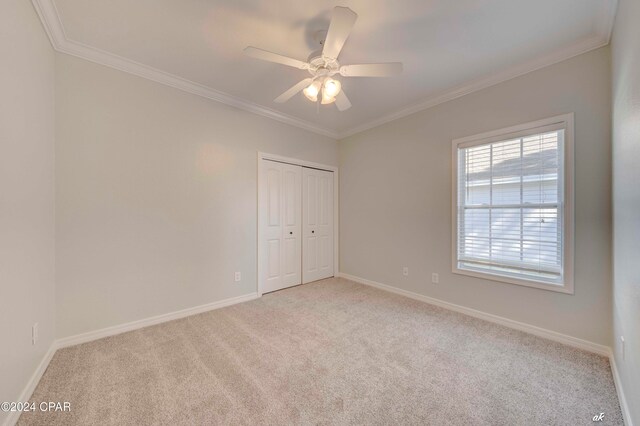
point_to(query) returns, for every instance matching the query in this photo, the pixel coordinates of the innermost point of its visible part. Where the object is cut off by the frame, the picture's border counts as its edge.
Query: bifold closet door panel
(317, 211)
(281, 216)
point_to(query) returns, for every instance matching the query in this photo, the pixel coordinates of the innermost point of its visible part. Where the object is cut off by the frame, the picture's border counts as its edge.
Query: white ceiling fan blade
(342, 20)
(291, 92)
(371, 70)
(342, 102)
(265, 55)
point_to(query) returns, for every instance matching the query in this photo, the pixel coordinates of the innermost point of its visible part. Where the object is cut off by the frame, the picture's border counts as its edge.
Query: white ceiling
(448, 47)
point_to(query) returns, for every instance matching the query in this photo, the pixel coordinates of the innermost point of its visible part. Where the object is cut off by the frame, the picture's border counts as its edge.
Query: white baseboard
(135, 325)
(527, 328)
(13, 416)
(624, 407)
(111, 331)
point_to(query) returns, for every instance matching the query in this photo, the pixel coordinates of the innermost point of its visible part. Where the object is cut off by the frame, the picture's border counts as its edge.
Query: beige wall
(26, 195)
(395, 197)
(156, 202)
(626, 199)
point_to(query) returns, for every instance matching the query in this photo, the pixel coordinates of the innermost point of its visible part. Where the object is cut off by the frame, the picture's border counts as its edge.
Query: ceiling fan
(323, 64)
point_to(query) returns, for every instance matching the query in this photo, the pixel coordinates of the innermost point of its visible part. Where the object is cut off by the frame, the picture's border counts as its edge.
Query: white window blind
(510, 202)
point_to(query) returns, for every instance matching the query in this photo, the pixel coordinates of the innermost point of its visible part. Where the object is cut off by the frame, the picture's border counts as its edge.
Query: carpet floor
(330, 352)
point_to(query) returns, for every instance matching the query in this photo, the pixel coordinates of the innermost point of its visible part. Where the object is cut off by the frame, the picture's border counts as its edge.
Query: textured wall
(626, 199)
(156, 192)
(395, 197)
(26, 195)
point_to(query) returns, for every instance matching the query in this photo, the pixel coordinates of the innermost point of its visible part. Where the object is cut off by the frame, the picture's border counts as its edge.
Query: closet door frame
(260, 195)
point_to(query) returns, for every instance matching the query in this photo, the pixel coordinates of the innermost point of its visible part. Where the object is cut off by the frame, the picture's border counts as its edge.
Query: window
(512, 205)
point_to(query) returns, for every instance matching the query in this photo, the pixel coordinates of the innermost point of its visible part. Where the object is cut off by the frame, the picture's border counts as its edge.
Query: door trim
(297, 162)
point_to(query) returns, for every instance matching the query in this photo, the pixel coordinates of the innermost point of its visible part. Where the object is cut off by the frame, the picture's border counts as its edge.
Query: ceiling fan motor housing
(320, 66)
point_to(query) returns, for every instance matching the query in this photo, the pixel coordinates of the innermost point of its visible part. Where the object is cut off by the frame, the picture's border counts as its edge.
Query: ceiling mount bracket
(320, 36)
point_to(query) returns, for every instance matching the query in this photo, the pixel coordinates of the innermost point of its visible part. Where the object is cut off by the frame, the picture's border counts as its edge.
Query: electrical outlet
(238, 276)
(622, 346)
(405, 271)
(34, 334)
(435, 278)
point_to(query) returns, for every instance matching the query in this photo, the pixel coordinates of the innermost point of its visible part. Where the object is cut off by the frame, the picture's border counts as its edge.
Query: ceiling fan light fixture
(326, 99)
(312, 91)
(331, 88)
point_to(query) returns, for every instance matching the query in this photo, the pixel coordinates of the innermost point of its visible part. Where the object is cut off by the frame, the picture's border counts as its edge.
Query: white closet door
(280, 216)
(317, 210)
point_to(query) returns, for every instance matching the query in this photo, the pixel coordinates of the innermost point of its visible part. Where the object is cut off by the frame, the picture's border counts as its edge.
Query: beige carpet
(330, 352)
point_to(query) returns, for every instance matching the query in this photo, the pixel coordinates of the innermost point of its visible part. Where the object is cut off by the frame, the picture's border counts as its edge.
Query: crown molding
(50, 18)
(483, 83)
(607, 19)
(48, 14)
(604, 29)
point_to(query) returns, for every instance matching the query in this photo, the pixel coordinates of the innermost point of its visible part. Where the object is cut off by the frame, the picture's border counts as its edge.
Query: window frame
(521, 130)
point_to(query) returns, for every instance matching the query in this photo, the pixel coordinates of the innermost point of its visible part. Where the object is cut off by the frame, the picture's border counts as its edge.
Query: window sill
(566, 288)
